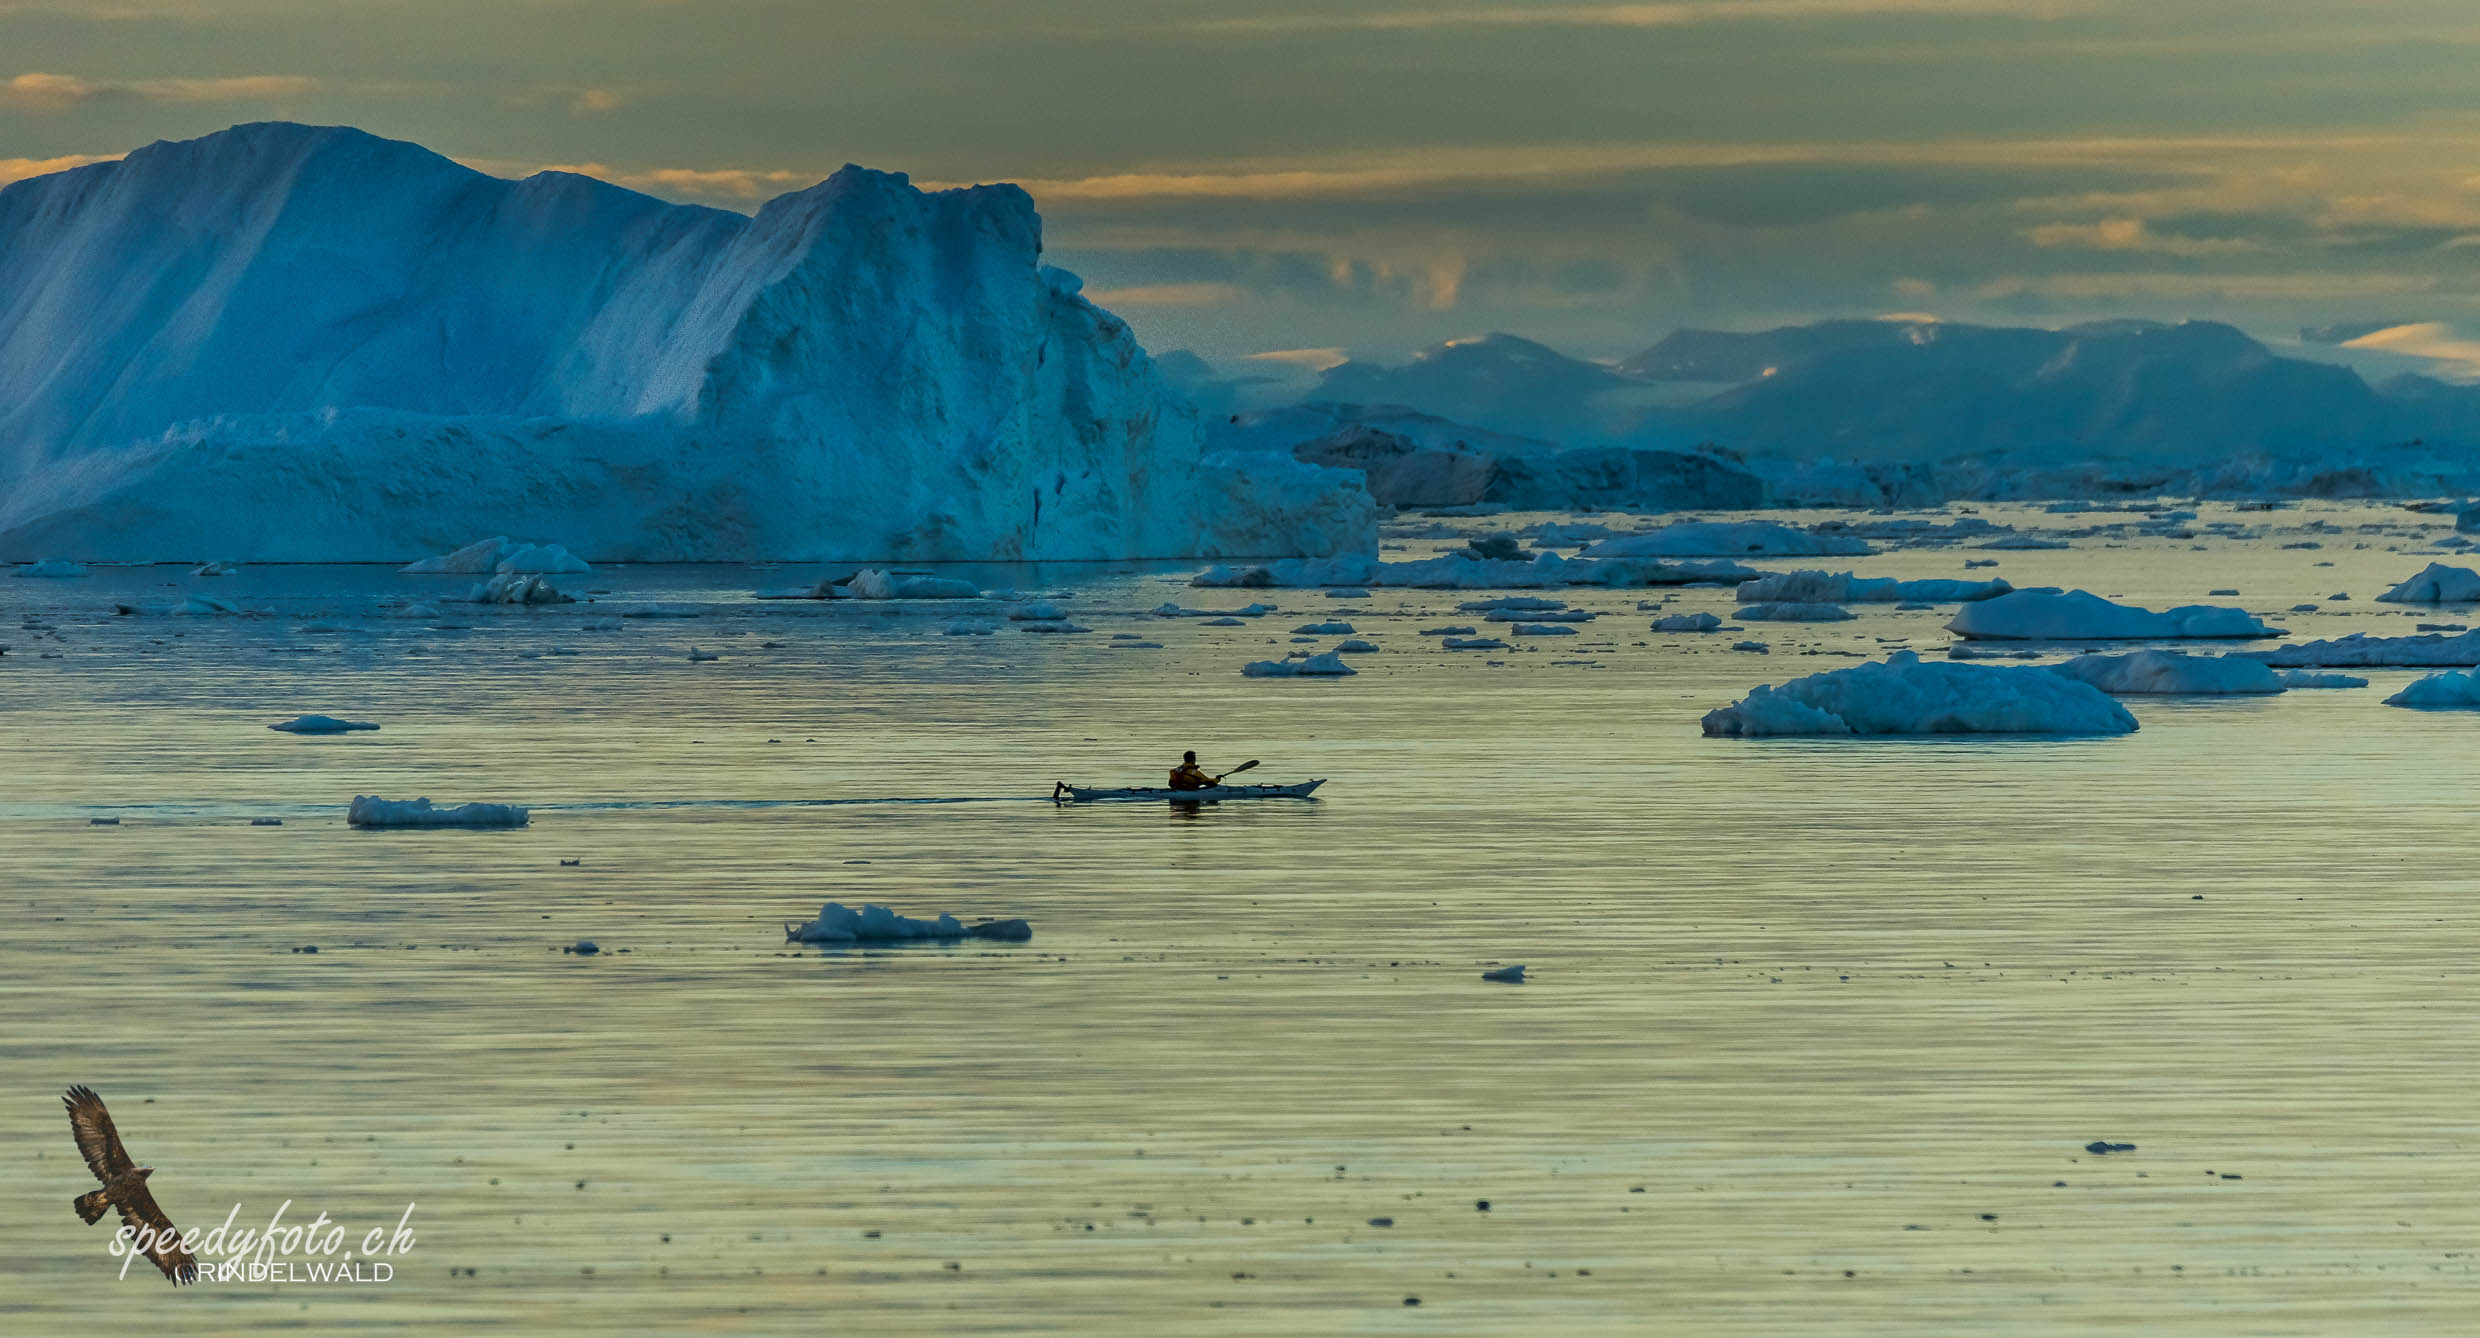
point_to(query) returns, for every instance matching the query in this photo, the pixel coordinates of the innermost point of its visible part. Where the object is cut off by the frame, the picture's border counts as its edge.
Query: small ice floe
(838, 923)
(1793, 613)
(1328, 665)
(1511, 604)
(320, 724)
(1506, 975)
(1169, 610)
(872, 583)
(2360, 650)
(1136, 645)
(2303, 608)
(504, 556)
(1972, 563)
(1052, 628)
(1540, 616)
(2051, 614)
(2167, 672)
(2338, 596)
(1347, 592)
(1355, 646)
(1753, 647)
(2102, 1147)
(1687, 622)
(215, 569)
(1473, 643)
(207, 606)
(266, 822)
(51, 569)
(1449, 631)
(1222, 622)
(2451, 690)
(1906, 695)
(2221, 594)
(1913, 607)
(697, 656)
(584, 947)
(971, 627)
(369, 810)
(1036, 612)
(1729, 539)
(2022, 543)
(103, 822)
(1493, 548)
(1543, 629)
(2437, 584)
(661, 611)
(1325, 629)
(515, 588)
(2309, 678)
(1819, 587)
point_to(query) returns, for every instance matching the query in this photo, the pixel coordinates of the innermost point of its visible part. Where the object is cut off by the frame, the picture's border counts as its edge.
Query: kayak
(1078, 794)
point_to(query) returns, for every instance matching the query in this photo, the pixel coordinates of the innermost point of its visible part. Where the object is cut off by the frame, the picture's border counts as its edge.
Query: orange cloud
(19, 169)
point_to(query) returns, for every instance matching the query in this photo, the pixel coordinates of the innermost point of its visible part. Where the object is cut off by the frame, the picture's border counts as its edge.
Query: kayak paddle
(1236, 770)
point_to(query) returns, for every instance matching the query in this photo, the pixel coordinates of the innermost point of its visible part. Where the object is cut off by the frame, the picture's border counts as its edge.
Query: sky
(1251, 177)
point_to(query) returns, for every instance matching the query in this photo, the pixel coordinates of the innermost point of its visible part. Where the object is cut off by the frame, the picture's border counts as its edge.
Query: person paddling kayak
(1189, 776)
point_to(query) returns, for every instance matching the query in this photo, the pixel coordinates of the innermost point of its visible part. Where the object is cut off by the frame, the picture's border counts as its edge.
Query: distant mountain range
(1884, 391)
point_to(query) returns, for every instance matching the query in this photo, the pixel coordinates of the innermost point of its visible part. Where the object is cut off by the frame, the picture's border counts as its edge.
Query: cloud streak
(1672, 14)
(41, 92)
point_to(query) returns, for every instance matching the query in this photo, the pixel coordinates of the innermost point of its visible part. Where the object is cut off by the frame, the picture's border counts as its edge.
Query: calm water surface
(1816, 1033)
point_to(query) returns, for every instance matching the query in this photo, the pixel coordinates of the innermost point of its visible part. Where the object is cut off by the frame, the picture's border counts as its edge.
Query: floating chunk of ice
(1728, 539)
(1906, 695)
(369, 810)
(2156, 672)
(838, 923)
(215, 569)
(1687, 622)
(2437, 584)
(320, 724)
(1473, 643)
(1817, 587)
(51, 569)
(1550, 616)
(872, 583)
(1036, 612)
(1793, 613)
(1325, 629)
(2308, 678)
(2051, 614)
(2451, 690)
(1328, 665)
(1544, 629)
(2360, 650)
(514, 588)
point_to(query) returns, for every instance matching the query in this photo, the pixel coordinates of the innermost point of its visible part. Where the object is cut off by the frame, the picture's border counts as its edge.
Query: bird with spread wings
(124, 1187)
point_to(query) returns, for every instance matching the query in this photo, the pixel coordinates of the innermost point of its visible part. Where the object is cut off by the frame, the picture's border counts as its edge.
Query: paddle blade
(1242, 767)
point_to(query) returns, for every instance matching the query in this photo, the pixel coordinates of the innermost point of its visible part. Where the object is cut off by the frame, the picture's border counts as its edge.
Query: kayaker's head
(1189, 756)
